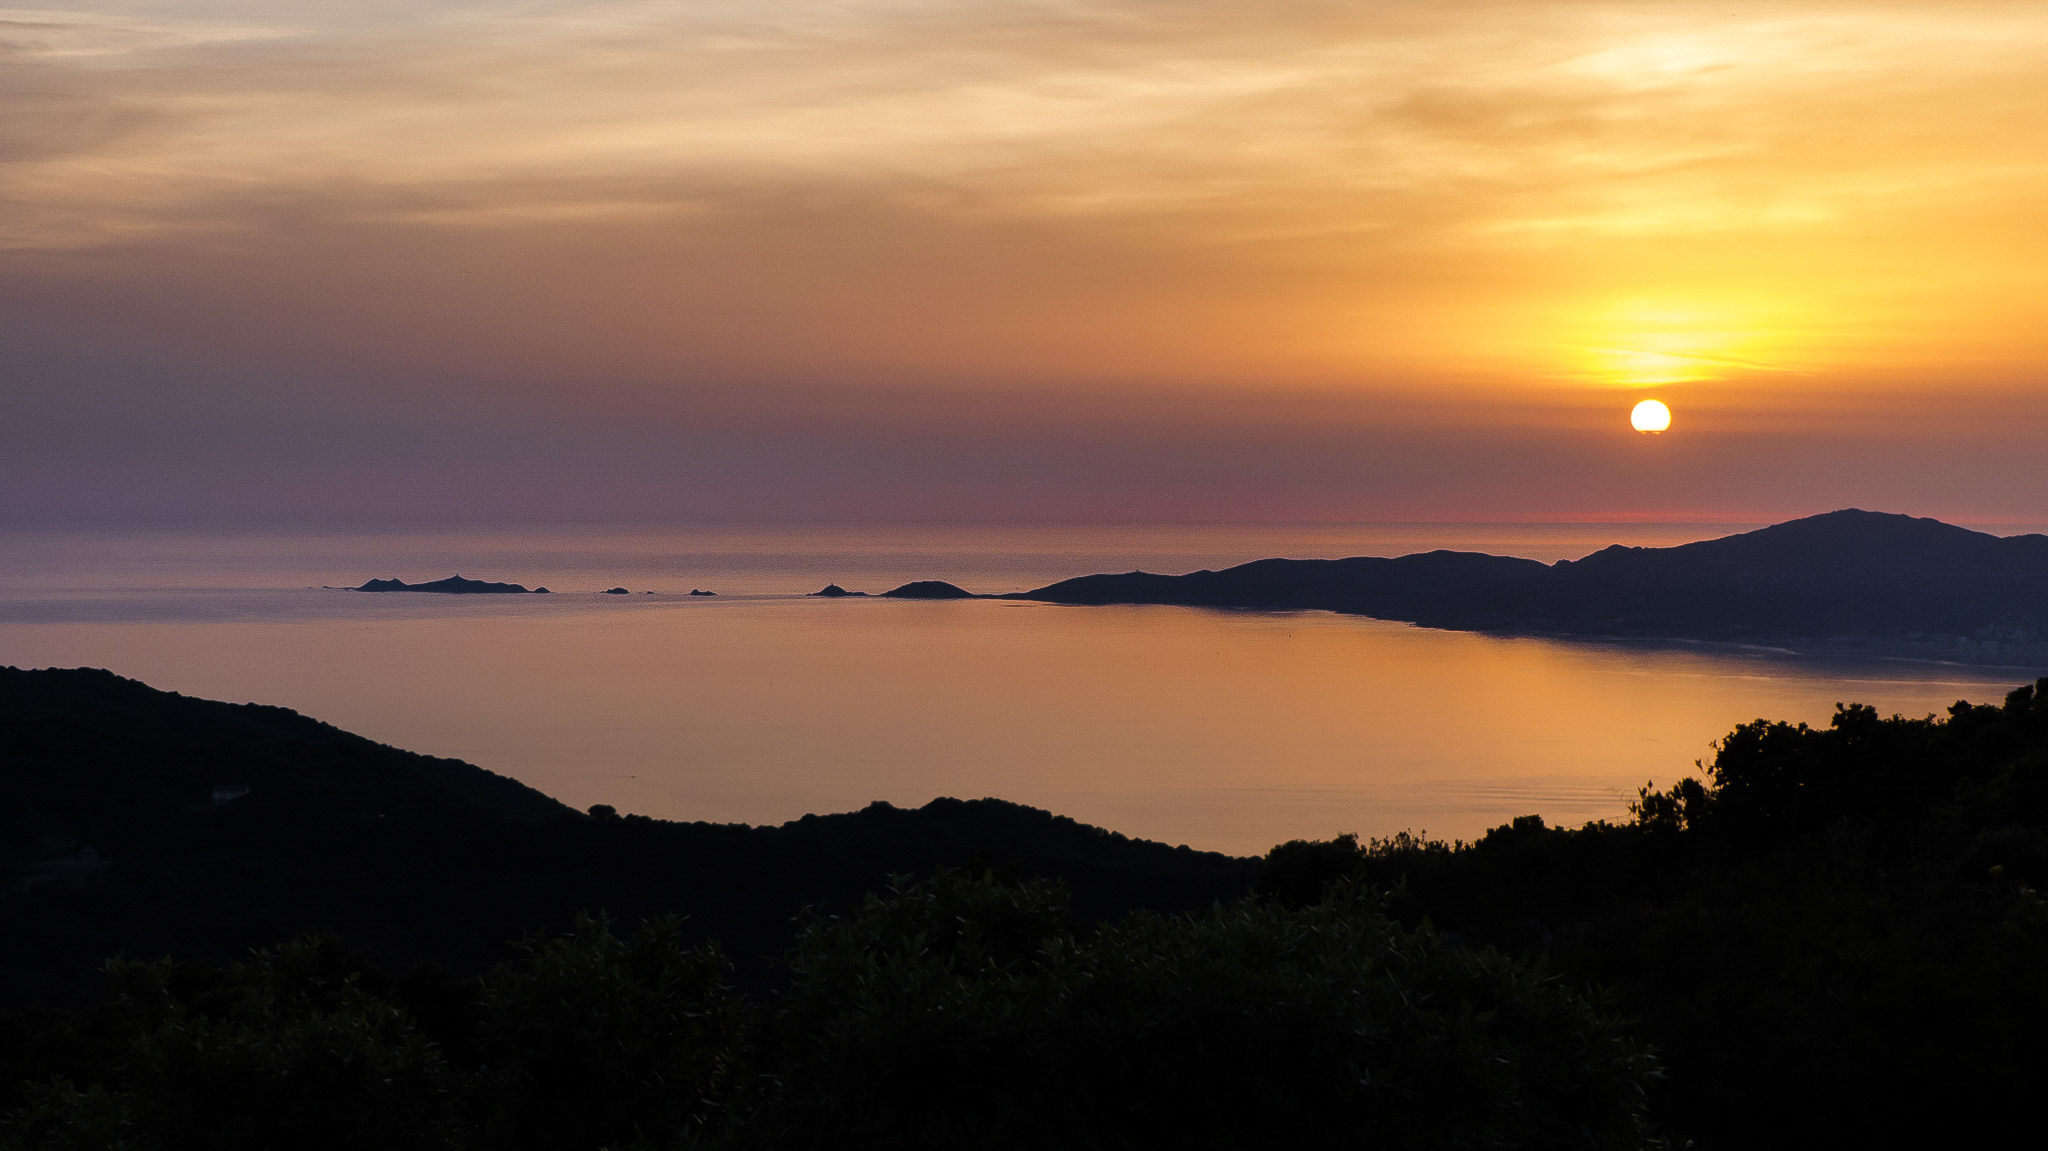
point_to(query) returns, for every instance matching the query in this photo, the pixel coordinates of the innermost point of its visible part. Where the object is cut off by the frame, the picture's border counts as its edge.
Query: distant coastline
(1848, 583)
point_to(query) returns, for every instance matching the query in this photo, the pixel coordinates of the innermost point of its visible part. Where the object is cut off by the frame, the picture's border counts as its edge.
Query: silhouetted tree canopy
(958, 1011)
(1835, 938)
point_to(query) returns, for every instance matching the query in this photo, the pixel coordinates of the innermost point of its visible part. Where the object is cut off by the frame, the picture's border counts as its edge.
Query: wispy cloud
(1295, 191)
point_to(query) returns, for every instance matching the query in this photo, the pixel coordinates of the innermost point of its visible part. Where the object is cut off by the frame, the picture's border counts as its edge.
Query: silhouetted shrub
(288, 1049)
(961, 1012)
(958, 1011)
(591, 1040)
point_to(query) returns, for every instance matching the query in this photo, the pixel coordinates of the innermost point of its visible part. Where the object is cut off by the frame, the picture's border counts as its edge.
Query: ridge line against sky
(1063, 260)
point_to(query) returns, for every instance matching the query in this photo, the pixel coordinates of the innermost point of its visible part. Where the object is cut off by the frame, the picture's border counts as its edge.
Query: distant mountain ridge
(1848, 580)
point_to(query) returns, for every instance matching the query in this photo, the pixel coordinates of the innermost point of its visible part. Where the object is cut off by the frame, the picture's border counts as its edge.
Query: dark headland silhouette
(834, 591)
(453, 585)
(1845, 581)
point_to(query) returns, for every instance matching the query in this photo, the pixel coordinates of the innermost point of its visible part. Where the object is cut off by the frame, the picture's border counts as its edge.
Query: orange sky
(1224, 236)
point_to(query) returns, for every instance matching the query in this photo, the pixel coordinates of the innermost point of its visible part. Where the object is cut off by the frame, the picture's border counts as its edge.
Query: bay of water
(1223, 730)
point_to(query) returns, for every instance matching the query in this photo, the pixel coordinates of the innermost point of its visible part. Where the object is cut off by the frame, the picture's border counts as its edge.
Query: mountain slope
(111, 842)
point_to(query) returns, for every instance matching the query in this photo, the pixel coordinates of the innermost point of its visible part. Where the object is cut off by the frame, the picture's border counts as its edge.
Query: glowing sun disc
(1650, 416)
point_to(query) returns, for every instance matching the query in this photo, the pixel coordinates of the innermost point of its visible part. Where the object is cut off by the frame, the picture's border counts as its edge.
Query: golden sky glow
(1754, 206)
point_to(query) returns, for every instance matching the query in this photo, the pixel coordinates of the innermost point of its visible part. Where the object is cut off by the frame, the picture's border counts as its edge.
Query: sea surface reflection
(1223, 730)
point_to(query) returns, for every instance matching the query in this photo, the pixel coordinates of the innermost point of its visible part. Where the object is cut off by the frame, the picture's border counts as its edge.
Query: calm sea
(1223, 730)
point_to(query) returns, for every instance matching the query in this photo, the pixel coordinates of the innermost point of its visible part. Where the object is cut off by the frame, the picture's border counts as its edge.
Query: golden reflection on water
(1229, 731)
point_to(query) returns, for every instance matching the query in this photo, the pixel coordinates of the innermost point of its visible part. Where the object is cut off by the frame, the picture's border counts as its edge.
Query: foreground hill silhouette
(969, 1009)
(1848, 581)
(111, 843)
(1835, 938)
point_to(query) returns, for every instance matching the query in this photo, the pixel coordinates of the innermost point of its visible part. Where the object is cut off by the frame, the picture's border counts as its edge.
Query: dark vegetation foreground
(1835, 939)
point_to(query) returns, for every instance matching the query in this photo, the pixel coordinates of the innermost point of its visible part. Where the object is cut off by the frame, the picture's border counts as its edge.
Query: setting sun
(1650, 416)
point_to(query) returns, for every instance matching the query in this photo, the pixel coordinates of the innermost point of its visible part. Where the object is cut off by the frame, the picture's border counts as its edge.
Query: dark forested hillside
(114, 843)
(1072, 988)
(1836, 939)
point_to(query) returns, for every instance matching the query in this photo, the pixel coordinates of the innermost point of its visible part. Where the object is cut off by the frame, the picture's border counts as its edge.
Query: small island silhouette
(928, 589)
(453, 585)
(915, 589)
